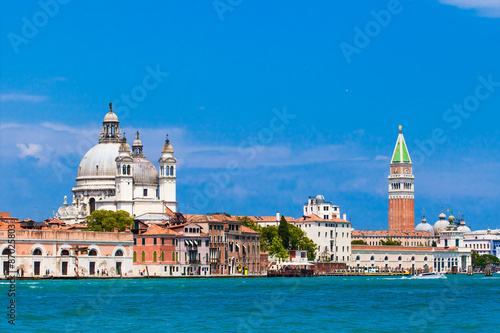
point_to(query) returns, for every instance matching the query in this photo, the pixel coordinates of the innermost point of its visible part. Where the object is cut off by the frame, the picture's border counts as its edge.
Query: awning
(186, 242)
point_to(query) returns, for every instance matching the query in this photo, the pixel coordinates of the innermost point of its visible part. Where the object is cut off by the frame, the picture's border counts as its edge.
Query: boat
(431, 275)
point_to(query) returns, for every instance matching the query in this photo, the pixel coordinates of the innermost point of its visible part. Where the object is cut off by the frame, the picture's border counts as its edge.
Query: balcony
(194, 262)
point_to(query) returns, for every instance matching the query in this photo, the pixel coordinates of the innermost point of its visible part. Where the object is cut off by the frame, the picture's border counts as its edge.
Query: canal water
(319, 304)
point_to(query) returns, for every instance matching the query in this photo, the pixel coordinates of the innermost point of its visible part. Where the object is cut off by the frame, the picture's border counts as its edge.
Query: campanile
(401, 188)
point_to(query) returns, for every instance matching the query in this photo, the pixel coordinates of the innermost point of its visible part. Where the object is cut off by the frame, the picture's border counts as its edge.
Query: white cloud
(32, 149)
(382, 158)
(488, 8)
(22, 98)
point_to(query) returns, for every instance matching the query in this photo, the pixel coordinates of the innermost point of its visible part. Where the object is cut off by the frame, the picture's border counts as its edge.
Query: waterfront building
(113, 176)
(193, 249)
(451, 254)
(155, 252)
(67, 252)
(406, 238)
(333, 237)
(484, 241)
(5, 217)
(401, 188)
(318, 206)
(394, 258)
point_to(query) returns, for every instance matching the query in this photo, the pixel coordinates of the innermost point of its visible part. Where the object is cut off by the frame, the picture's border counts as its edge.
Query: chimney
(277, 216)
(345, 217)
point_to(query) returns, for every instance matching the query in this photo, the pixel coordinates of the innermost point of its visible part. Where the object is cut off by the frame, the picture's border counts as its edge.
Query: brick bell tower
(401, 188)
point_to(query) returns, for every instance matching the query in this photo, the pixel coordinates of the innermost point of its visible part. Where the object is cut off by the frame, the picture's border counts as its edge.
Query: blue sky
(226, 69)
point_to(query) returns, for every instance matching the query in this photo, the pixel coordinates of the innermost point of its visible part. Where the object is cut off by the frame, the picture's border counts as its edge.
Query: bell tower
(401, 188)
(168, 176)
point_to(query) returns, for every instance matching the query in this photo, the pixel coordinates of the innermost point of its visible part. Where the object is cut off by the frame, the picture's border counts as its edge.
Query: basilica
(113, 176)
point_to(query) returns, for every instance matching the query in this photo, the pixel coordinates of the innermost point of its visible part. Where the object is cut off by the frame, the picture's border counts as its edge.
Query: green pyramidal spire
(401, 154)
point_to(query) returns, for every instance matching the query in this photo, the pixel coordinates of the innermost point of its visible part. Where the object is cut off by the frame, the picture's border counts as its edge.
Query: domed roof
(440, 226)
(137, 141)
(423, 226)
(145, 172)
(463, 228)
(320, 198)
(442, 216)
(111, 117)
(167, 147)
(99, 161)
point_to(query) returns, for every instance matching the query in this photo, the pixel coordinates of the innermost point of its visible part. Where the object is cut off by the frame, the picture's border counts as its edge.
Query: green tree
(284, 232)
(108, 220)
(484, 260)
(299, 241)
(389, 241)
(267, 235)
(359, 242)
(249, 223)
(277, 249)
(434, 244)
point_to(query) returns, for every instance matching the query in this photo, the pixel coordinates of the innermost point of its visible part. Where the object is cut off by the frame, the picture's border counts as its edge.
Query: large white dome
(440, 226)
(99, 161)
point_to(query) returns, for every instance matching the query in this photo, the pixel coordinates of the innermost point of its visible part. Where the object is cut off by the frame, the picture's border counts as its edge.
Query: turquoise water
(344, 304)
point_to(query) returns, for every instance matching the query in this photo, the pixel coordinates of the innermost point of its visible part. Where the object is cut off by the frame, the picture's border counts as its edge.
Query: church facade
(113, 176)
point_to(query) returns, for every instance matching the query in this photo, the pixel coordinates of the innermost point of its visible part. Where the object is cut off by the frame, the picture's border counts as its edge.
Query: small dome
(320, 198)
(137, 141)
(145, 172)
(464, 228)
(440, 226)
(167, 147)
(451, 218)
(423, 226)
(124, 146)
(110, 117)
(442, 216)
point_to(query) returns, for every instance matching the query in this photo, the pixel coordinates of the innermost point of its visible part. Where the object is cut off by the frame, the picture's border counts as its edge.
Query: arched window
(399, 258)
(6, 252)
(357, 258)
(92, 205)
(65, 252)
(171, 171)
(124, 168)
(173, 256)
(128, 169)
(167, 173)
(162, 256)
(37, 252)
(154, 256)
(92, 253)
(143, 256)
(119, 253)
(386, 258)
(372, 258)
(412, 258)
(135, 256)
(425, 258)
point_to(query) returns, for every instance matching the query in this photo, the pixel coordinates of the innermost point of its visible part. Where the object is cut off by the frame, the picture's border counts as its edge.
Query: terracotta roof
(157, 230)
(390, 248)
(209, 218)
(248, 230)
(169, 211)
(56, 221)
(267, 218)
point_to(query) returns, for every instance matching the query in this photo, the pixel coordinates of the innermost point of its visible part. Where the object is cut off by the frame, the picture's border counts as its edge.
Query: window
(162, 241)
(162, 256)
(143, 241)
(124, 170)
(372, 258)
(63, 252)
(145, 192)
(135, 241)
(171, 170)
(325, 217)
(119, 253)
(128, 169)
(92, 253)
(155, 256)
(143, 256)
(386, 258)
(173, 241)
(135, 256)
